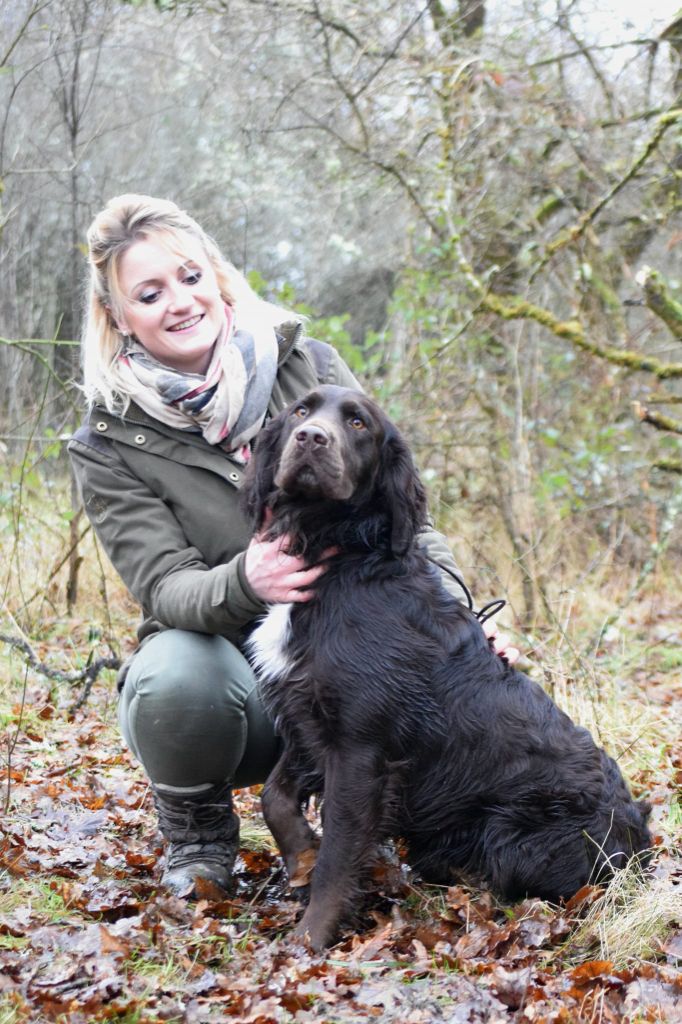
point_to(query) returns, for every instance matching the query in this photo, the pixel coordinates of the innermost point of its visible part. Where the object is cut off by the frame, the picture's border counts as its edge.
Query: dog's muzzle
(312, 463)
(311, 436)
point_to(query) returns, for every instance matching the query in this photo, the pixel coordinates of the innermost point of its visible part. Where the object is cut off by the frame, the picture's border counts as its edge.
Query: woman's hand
(500, 643)
(275, 576)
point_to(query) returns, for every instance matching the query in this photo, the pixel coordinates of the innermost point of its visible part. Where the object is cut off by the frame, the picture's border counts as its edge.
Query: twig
(657, 419)
(664, 398)
(86, 675)
(660, 301)
(571, 234)
(21, 342)
(570, 54)
(668, 465)
(36, 9)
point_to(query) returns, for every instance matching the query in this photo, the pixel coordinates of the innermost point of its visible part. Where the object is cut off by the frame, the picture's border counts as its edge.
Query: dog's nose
(312, 436)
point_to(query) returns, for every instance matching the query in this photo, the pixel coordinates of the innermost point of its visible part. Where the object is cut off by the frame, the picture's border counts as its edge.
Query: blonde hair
(123, 221)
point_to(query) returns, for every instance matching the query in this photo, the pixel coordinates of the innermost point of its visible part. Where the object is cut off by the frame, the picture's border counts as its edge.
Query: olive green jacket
(165, 504)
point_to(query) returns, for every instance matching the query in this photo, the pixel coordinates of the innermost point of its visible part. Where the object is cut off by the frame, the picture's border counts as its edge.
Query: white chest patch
(267, 645)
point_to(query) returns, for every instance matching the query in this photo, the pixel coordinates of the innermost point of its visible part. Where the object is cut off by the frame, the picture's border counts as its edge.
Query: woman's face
(171, 302)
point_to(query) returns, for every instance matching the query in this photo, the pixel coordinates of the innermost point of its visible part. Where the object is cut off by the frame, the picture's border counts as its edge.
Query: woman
(182, 364)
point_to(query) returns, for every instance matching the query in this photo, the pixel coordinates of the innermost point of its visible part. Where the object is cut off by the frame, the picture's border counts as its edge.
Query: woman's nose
(180, 296)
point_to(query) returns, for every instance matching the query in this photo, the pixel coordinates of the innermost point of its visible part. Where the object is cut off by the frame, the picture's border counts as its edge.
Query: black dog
(390, 701)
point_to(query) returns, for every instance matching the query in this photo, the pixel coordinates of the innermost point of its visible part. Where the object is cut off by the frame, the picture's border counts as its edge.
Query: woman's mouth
(186, 325)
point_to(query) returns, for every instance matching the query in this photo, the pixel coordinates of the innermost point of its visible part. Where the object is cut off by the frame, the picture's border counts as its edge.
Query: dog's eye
(300, 411)
(357, 423)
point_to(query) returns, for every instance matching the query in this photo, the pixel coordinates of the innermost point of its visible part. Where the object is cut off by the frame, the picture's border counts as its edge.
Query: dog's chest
(268, 644)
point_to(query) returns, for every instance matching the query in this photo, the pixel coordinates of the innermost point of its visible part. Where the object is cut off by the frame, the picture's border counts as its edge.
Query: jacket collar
(288, 334)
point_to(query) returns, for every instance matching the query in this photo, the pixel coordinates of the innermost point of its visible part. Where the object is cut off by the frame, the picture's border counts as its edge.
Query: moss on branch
(549, 206)
(669, 465)
(573, 232)
(510, 307)
(660, 301)
(658, 419)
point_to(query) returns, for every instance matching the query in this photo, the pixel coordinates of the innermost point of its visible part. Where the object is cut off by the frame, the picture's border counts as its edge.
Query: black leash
(484, 613)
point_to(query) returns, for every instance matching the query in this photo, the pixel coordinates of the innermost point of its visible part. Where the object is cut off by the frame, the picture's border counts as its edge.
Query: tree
(480, 187)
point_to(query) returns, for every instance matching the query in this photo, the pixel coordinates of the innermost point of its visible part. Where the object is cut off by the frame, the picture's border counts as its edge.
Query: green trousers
(190, 711)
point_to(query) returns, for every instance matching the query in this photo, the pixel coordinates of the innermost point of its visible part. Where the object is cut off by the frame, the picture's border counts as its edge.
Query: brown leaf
(535, 934)
(141, 858)
(653, 999)
(510, 986)
(584, 898)
(473, 943)
(111, 944)
(369, 948)
(560, 926)
(432, 932)
(109, 897)
(207, 890)
(593, 969)
(14, 859)
(305, 863)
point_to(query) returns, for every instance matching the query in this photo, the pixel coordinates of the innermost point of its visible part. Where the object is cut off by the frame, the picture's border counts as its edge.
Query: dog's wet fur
(391, 703)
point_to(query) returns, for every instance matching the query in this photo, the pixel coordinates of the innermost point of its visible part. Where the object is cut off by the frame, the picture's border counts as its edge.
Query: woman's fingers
(296, 586)
(500, 643)
(276, 576)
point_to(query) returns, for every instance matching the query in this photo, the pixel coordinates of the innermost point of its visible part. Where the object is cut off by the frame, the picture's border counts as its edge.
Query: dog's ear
(259, 478)
(402, 491)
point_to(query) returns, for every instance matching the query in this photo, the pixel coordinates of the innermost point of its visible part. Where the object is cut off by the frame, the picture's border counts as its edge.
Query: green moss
(510, 307)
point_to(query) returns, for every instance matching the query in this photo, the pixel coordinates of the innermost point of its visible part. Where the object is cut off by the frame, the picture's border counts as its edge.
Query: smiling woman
(171, 302)
(182, 365)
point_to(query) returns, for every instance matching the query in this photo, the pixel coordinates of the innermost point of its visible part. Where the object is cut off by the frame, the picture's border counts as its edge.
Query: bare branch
(586, 52)
(580, 52)
(36, 9)
(86, 675)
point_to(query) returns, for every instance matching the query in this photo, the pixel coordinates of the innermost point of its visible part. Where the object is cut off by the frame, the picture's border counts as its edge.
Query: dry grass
(629, 922)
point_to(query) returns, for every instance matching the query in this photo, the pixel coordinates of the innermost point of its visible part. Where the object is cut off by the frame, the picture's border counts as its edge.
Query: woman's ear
(121, 326)
(118, 322)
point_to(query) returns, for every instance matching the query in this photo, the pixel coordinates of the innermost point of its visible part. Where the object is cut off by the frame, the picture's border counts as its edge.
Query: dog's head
(335, 447)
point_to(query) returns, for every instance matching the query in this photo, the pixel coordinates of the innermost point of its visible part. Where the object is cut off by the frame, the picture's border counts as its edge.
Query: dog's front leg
(353, 791)
(282, 812)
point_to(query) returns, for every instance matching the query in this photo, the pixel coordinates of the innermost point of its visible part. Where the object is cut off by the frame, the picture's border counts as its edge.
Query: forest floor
(86, 934)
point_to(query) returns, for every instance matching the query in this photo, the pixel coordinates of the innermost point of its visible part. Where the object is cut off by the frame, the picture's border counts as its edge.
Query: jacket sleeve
(148, 548)
(438, 550)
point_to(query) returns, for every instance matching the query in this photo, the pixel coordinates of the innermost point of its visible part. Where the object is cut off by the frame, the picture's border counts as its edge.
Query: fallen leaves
(87, 936)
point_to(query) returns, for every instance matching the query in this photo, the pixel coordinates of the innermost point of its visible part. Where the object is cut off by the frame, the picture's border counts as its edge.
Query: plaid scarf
(227, 404)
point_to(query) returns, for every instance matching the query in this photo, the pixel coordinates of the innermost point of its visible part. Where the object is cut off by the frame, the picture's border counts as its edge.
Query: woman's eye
(300, 411)
(148, 297)
(357, 423)
(193, 277)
